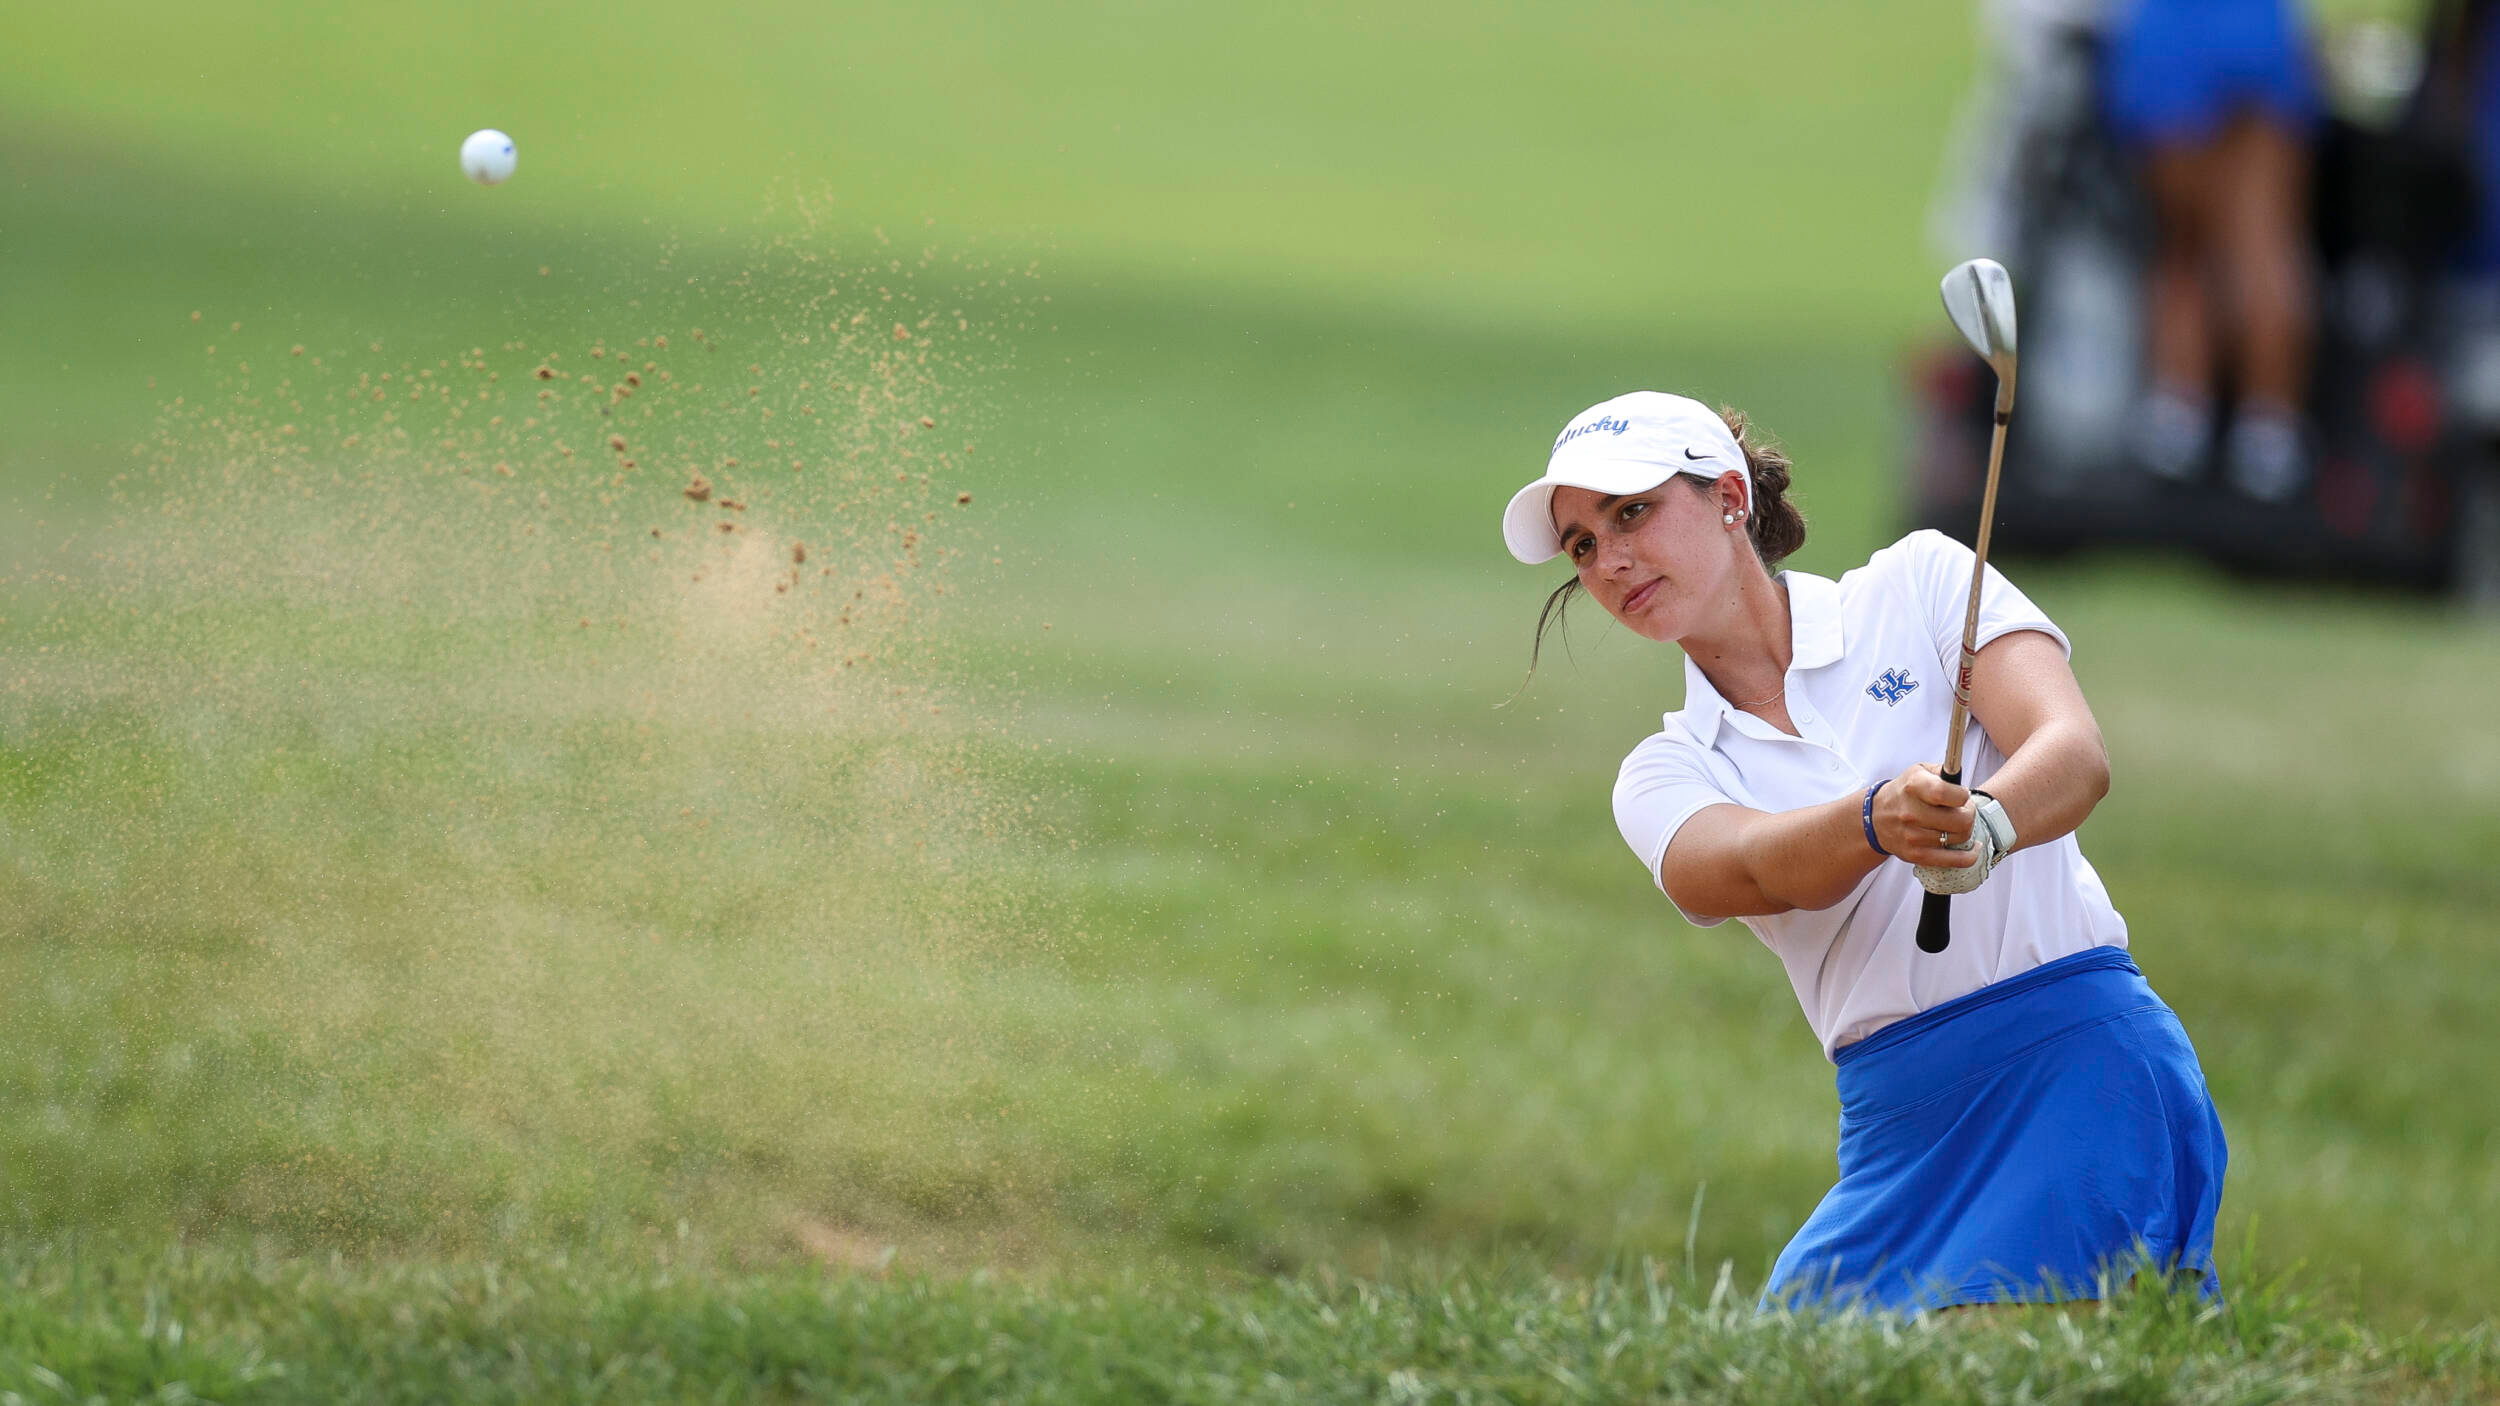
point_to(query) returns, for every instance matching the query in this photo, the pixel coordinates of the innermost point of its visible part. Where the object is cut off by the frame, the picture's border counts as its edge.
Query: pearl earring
(1727, 517)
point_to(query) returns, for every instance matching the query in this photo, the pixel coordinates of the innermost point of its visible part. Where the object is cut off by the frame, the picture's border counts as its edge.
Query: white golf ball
(487, 157)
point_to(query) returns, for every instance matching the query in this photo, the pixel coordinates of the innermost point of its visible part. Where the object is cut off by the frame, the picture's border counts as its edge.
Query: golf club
(1979, 297)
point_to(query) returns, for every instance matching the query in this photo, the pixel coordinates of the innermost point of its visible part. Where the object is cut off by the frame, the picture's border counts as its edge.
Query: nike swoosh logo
(1691, 455)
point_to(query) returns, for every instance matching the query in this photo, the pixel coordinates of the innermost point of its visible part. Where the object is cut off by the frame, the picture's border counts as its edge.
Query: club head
(1979, 296)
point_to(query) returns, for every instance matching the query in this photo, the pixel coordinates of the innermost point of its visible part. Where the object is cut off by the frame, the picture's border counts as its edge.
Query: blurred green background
(411, 855)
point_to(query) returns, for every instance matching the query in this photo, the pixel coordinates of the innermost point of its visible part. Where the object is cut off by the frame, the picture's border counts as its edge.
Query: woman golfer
(2019, 1112)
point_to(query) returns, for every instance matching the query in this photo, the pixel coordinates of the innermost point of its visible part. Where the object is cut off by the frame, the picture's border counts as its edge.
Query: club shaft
(1978, 577)
(1935, 913)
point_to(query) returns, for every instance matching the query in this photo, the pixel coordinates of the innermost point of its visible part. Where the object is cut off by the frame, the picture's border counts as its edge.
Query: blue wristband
(1866, 817)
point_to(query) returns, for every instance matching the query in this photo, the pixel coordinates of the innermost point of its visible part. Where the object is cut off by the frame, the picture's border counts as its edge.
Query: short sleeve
(1663, 784)
(1935, 570)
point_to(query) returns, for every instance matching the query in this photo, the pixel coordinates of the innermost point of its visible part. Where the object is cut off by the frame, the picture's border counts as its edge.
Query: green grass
(1607, 165)
(240, 1328)
(431, 920)
(415, 880)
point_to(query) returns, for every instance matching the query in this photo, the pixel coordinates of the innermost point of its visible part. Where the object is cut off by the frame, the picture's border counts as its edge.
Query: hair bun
(1777, 528)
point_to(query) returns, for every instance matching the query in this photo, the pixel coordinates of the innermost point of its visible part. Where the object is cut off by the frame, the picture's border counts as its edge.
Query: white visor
(1629, 444)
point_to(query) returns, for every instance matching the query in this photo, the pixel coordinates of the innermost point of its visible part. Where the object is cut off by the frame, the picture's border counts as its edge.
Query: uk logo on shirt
(1891, 686)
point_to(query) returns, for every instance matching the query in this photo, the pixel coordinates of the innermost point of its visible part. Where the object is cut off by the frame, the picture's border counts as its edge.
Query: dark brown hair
(1775, 526)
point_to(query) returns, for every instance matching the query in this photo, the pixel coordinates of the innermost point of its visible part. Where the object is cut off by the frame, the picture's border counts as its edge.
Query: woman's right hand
(1924, 819)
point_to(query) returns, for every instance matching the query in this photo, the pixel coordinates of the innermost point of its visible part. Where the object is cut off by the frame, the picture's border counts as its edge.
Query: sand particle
(963, 499)
(699, 489)
(617, 443)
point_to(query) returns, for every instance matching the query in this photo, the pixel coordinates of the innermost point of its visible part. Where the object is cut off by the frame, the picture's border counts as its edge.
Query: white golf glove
(1992, 835)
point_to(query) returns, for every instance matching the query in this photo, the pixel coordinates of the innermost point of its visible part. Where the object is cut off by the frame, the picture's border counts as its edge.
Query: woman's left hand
(1991, 839)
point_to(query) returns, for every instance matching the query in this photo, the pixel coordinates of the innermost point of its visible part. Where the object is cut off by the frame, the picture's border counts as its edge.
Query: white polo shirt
(1870, 689)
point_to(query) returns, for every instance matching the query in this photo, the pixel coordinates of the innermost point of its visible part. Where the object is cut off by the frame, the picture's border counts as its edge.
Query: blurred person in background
(2220, 99)
(2459, 103)
(2457, 107)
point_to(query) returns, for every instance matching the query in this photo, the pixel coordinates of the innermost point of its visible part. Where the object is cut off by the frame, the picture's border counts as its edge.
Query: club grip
(1935, 912)
(1935, 922)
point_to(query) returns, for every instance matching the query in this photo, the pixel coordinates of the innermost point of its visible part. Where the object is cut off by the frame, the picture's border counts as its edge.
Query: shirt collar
(1813, 642)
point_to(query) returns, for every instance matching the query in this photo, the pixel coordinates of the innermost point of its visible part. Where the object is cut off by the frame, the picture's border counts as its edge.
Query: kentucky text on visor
(1626, 445)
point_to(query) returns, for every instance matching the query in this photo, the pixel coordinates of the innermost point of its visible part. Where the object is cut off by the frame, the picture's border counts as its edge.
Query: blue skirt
(2013, 1144)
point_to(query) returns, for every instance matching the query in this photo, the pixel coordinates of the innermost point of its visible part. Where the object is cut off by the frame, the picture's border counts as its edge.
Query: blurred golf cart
(2405, 398)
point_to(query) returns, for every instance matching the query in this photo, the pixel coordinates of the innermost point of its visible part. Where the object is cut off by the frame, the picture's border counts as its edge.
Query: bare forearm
(1731, 862)
(1808, 858)
(2052, 782)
